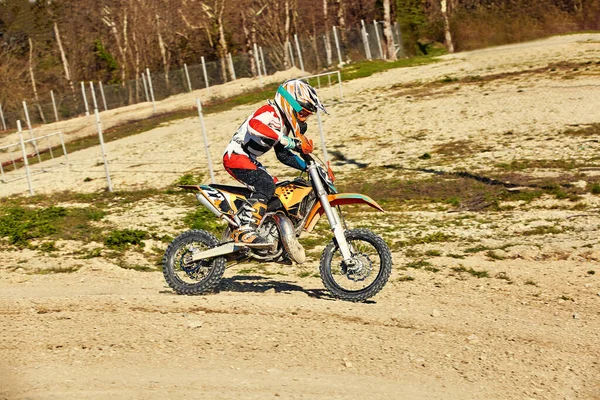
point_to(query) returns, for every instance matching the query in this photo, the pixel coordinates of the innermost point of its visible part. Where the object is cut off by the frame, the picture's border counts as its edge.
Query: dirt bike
(354, 266)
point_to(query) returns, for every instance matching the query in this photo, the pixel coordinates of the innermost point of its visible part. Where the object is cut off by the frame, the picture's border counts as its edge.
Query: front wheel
(182, 273)
(365, 275)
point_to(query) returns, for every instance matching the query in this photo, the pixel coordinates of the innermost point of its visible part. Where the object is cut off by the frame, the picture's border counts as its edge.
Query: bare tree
(63, 57)
(387, 30)
(328, 51)
(447, 34)
(33, 85)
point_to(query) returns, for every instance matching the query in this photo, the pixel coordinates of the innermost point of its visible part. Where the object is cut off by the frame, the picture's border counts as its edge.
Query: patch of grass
(474, 272)
(57, 270)
(137, 267)
(97, 252)
(47, 247)
(530, 282)
(121, 239)
(417, 264)
(201, 218)
(22, 224)
(543, 230)
(477, 249)
(190, 179)
(503, 276)
(492, 255)
(595, 188)
(433, 253)
(405, 278)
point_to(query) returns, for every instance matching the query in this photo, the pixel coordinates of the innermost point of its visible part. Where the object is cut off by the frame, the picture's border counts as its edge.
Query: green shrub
(201, 218)
(122, 239)
(21, 224)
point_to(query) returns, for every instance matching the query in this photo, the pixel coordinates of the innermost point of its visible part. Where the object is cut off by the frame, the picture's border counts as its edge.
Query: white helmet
(297, 100)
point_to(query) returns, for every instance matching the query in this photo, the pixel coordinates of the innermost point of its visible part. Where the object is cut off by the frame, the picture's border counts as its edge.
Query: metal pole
(378, 40)
(85, 102)
(337, 45)
(205, 74)
(291, 51)
(99, 126)
(62, 142)
(151, 89)
(232, 68)
(54, 105)
(31, 131)
(299, 52)
(257, 61)
(187, 76)
(262, 57)
(25, 158)
(2, 118)
(322, 136)
(206, 146)
(94, 95)
(365, 40)
(145, 86)
(102, 93)
(340, 83)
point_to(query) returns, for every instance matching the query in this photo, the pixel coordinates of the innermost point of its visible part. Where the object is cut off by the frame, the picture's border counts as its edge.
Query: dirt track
(531, 330)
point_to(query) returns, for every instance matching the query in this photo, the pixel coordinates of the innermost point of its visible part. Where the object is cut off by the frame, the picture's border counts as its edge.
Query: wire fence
(307, 53)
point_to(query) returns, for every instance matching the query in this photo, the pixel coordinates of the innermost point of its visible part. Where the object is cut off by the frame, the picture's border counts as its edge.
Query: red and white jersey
(258, 134)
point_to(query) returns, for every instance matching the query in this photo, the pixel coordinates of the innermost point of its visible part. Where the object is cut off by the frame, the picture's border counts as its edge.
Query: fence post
(2, 118)
(205, 75)
(101, 137)
(262, 57)
(31, 131)
(85, 102)
(291, 52)
(299, 52)
(25, 161)
(145, 86)
(382, 55)
(102, 93)
(93, 95)
(337, 45)
(257, 60)
(187, 76)
(151, 89)
(54, 105)
(206, 146)
(62, 142)
(365, 38)
(340, 83)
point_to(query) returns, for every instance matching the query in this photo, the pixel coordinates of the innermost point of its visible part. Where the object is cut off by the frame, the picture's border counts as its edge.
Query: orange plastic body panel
(338, 200)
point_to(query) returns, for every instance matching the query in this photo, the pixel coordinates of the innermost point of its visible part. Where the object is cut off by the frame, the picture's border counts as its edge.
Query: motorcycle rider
(278, 124)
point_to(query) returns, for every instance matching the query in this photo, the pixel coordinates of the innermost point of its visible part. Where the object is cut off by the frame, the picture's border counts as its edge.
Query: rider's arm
(288, 158)
(265, 124)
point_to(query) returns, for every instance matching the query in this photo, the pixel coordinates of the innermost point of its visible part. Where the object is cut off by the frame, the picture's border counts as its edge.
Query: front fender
(338, 199)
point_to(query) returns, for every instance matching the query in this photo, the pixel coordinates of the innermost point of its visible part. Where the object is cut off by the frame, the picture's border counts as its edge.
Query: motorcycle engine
(268, 230)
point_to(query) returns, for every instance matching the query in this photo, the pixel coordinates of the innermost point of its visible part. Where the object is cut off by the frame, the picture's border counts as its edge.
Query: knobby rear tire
(378, 283)
(216, 268)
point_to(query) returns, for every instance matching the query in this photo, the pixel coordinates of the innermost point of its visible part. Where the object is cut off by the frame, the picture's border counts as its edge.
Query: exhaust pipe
(288, 238)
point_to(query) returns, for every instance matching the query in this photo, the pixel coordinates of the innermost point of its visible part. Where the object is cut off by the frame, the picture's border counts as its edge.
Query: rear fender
(338, 199)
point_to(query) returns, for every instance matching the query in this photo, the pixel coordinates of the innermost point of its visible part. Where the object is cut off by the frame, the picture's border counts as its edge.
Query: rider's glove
(288, 142)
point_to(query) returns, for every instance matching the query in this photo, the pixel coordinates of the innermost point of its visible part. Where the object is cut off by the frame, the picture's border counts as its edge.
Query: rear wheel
(367, 272)
(186, 276)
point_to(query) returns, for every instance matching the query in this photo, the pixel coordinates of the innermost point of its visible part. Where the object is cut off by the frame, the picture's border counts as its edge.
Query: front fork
(332, 215)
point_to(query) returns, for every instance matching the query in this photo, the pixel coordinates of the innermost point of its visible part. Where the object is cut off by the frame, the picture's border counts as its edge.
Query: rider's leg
(253, 210)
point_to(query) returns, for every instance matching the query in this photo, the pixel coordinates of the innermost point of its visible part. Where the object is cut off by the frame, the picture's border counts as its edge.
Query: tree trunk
(341, 12)
(249, 45)
(33, 85)
(447, 33)
(222, 41)
(164, 53)
(328, 51)
(387, 31)
(63, 57)
(288, 48)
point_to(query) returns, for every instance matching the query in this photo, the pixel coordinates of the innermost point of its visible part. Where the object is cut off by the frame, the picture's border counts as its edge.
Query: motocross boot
(250, 215)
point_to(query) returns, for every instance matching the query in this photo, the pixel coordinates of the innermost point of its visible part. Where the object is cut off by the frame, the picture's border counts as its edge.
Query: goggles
(304, 114)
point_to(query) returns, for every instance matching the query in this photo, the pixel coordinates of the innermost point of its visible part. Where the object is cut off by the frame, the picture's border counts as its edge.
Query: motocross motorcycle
(354, 266)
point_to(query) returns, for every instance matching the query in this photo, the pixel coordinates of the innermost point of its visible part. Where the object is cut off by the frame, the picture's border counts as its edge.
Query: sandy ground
(529, 331)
